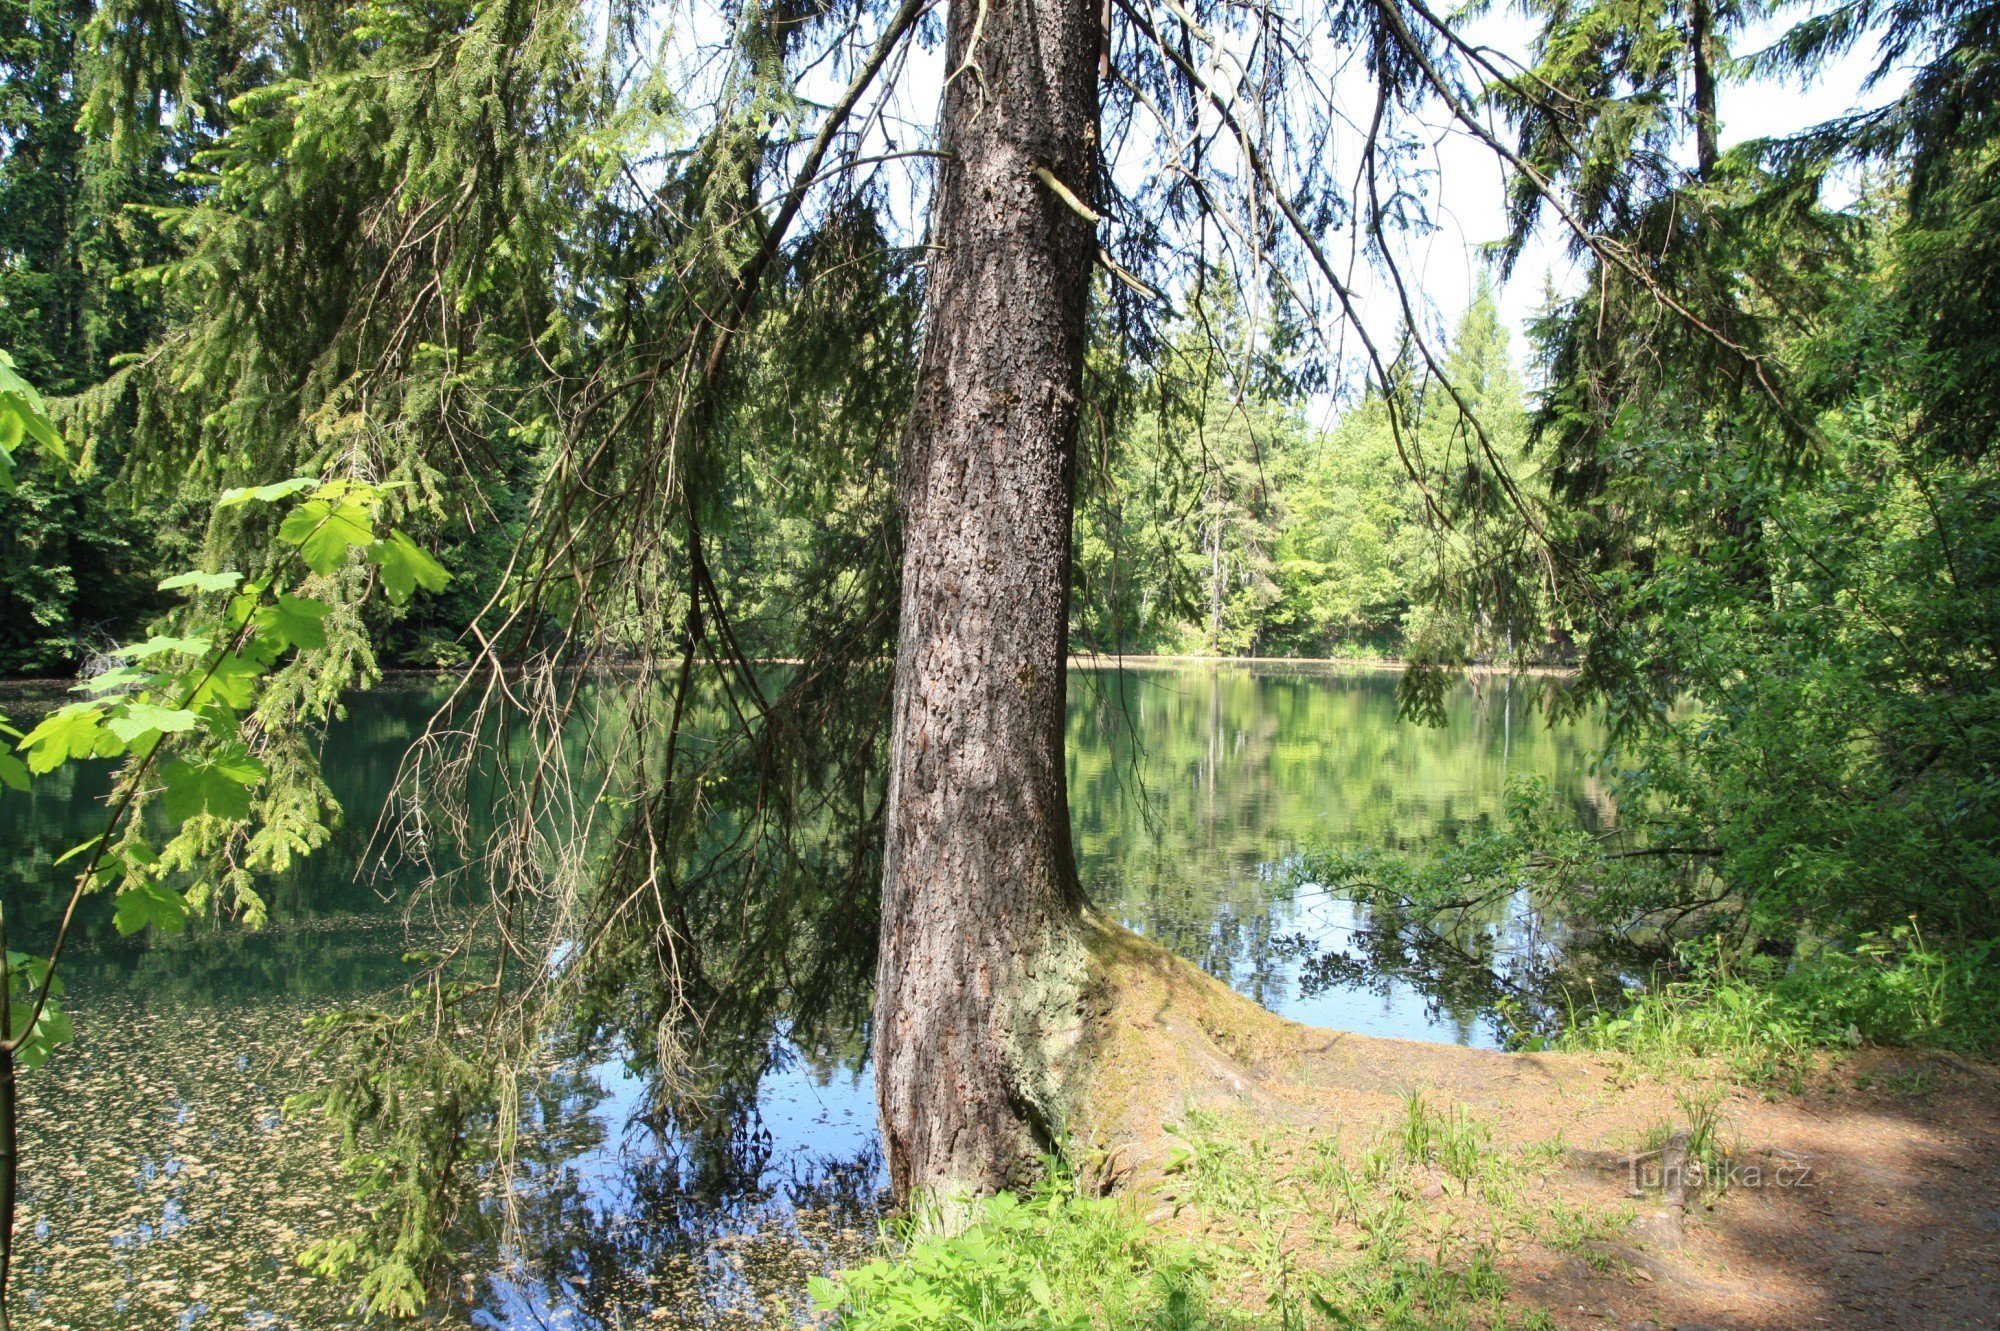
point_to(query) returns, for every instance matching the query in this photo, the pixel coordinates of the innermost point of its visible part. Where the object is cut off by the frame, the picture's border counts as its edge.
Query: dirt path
(1868, 1196)
(1871, 1200)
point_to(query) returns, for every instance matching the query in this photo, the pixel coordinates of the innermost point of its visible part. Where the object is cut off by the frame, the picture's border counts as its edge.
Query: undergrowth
(1051, 1259)
(1765, 1017)
(1399, 1233)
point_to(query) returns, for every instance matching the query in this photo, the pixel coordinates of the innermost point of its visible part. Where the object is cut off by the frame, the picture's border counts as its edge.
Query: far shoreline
(1104, 660)
(28, 685)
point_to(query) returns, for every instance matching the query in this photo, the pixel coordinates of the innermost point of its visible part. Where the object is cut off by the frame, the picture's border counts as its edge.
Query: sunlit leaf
(154, 646)
(149, 905)
(406, 566)
(118, 677)
(80, 848)
(75, 731)
(204, 582)
(22, 415)
(52, 1028)
(31, 970)
(324, 532)
(232, 682)
(295, 620)
(134, 719)
(216, 784)
(264, 494)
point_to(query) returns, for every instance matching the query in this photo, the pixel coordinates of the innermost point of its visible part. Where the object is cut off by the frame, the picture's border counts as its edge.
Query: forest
(1219, 524)
(905, 663)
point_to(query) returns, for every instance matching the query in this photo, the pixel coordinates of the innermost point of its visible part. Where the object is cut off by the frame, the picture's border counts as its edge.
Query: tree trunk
(981, 961)
(1707, 130)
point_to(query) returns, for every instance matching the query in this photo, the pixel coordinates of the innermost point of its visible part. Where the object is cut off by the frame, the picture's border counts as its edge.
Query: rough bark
(1707, 129)
(981, 961)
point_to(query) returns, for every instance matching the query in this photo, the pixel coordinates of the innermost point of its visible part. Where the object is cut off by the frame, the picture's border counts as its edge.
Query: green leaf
(156, 645)
(31, 971)
(80, 848)
(75, 731)
(1325, 1309)
(116, 678)
(216, 784)
(13, 772)
(296, 620)
(22, 415)
(826, 1296)
(324, 532)
(241, 606)
(150, 905)
(52, 1028)
(406, 566)
(204, 582)
(232, 683)
(264, 494)
(134, 719)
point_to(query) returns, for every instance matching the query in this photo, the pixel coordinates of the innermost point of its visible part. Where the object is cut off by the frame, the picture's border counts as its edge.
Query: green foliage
(1895, 989)
(1449, 1138)
(324, 530)
(216, 783)
(22, 416)
(1783, 508)
(1216, 520)
(74, 554)
(404, 242)
(1048, 1259)
(1834, 741)
(59, 556)
(407, 1101)
(405, 567)
(184, 713)
(1417, 1293)
(1054, 1259)
(34, 1034)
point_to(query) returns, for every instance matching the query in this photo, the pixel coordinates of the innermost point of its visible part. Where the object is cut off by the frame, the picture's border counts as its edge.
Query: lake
(166, 1184)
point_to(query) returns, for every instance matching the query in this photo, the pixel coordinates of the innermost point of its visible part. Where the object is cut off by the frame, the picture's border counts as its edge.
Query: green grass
(1449, 1138)
(1400, 1232)
(1224, 1172)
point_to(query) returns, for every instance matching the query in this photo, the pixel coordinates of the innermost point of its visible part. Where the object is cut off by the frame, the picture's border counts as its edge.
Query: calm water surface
(191, 1187)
